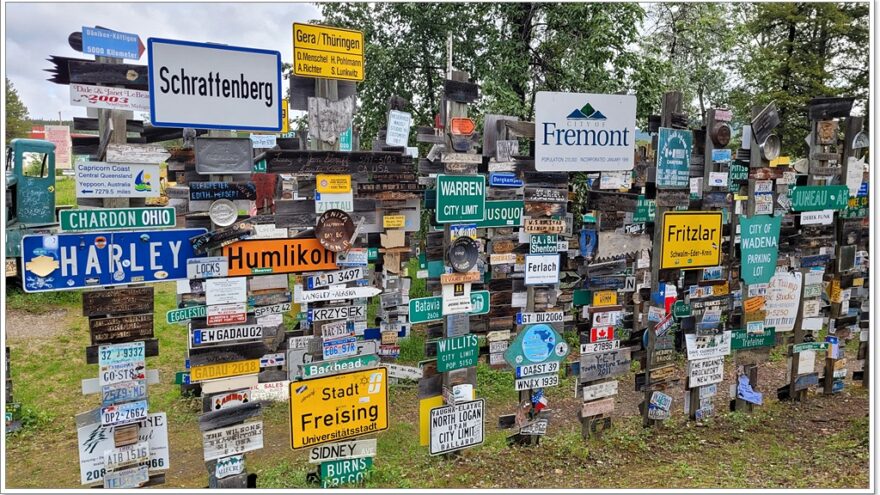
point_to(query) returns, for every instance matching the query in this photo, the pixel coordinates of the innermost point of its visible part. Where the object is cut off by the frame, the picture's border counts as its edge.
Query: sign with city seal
(584, 132)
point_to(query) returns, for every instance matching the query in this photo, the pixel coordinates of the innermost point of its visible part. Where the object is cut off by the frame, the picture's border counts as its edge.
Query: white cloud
(34, 31)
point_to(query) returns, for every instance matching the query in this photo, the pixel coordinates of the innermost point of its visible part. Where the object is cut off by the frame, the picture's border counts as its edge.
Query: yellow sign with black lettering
(691, 239)
(285, 117)
(223, 370)
(338, 407)
(604, 298)
(394, 221)
(328, 52)
(332, 183)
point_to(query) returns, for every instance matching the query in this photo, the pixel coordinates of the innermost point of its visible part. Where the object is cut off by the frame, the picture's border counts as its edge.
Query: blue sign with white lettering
(107, 43)
(73, 261)
(504, 179)
(722, 155)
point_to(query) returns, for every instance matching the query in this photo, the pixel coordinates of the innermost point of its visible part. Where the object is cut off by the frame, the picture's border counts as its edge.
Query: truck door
(34, 170)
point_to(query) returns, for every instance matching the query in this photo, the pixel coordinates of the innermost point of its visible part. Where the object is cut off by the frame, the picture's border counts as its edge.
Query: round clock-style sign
(463, 254)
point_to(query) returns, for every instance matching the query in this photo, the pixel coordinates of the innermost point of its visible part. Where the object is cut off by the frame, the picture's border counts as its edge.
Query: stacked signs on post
(136, 445)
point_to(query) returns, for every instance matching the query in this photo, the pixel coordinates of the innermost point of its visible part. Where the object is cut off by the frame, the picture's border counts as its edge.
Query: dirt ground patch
(25, 325)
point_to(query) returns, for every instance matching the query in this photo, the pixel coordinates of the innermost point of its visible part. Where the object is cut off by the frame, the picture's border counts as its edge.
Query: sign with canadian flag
(601, 334)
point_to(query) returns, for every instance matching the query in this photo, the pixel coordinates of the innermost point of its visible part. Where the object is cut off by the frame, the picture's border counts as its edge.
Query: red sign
(601, 334)
(462, 126)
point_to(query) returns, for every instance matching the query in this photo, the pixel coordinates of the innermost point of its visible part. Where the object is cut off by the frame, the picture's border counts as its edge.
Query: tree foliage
(738, 55)
(17, 124)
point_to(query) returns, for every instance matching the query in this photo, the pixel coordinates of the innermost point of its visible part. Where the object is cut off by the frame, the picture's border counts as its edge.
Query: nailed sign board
(116, 219)
(356, 449)
(691, 239)
(121, 300)
(461, 198)
(362, 394)
(599, 390)
(604, 365)
(102, 42)
(110, 98)
(816, 198)
(208, 267)
(212, 86)
(334, 293)
(759, 247)
(235, 439)
(225, 290)
(542, 269)
(783, 300)
(116, 180)
(673, 158)
(94, 439)
(505, 213)
(708, 346)
(457, 352)
(74, 261)
(328, 52)
(536, 344)
(216, 335)
(224, 155)
(705, 371)
(457, 427)
(262, 256)
(581, 132)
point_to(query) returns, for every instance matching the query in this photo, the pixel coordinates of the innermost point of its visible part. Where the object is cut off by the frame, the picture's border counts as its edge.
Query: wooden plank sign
(597, 407)
(604, 365)
(231, 440)
(113, 301)
(121, 328)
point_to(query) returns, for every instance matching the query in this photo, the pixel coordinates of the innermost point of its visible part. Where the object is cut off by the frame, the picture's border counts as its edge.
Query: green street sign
(681, 309)
(736, 176)
(436, 268)
(457, 352)
(184, 314)
(582, 297)
(815, 198)
(425, 309)
(645, 210)
(322, 368)
(536, 344)
(260, 167)
(461, 198)
(543, 243)
(345, 471)
(372, 253)
(673, 158)
(759, 247)
(181, 378)
(809, 346)
(741, 339)
(503, 214)
(116, 219)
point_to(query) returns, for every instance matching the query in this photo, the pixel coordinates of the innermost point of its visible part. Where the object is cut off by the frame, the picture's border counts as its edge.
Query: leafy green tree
(17, 124)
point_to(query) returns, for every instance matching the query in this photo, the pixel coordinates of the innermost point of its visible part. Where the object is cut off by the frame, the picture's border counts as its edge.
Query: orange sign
(462, 127)
(260, 256)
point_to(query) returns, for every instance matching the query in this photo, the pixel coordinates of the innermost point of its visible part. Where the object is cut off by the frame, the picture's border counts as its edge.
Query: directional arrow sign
(335, 293)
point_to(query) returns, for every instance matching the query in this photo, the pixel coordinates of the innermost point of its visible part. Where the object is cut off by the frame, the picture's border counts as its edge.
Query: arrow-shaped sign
(335, 293)
(103, 42)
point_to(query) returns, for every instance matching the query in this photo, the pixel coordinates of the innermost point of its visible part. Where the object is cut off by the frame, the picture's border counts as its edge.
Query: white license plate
(536, 382)
(123, 392)
(127, 412)
(123, 456)
(122, 372)
(121, 353)
(537, 369)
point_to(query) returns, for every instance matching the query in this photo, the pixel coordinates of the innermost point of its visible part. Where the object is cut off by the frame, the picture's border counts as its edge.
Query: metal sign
(335, 293)
(344, 471)
(457, 352)
(116, 180)
(816, 198)
(263, 256)
(353, 313)
(345, 365)
(545, 317)
(542, 269)
(110, 98)
(355, 449)
(74, 261)
(94, 439)
(742, 339)
(213, 86)
(503, 214)
(708, 346)
(759, 247)
(224, 155)
(673, 158)
(209, 267)
(425, 309)
(362, 395)
(216, 335)
(457, 427)
(461, 198)
(102, 42)
(223, 370)
(536, 344)
(116, 219)
(582, 132)
(328, 52)
(691, 239)
(231, 440)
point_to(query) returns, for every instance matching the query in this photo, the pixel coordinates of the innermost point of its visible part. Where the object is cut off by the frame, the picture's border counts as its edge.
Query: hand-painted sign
(116, 219)
(213, 86)
(338, 407)
(457, 352)
(691, 239)
(759, 245)
(536, 344)
(74, 261)
(110, 98)
(116, 180)
(461, 198)
(260, 256)
(328, 52)
(604, 365)
(783, 300)
(582, 132)
(102, 42)
(814, 198)
(705, 371)
(456, 427)
(235, 439)
(673, 158)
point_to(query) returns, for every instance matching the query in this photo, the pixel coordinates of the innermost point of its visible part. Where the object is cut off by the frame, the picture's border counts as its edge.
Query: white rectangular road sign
(457, 427)
(212, 86)
(355, 449)
(94, 440)
(116, 180)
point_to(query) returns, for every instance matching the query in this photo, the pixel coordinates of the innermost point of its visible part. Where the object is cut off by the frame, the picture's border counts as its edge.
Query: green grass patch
(41, 302)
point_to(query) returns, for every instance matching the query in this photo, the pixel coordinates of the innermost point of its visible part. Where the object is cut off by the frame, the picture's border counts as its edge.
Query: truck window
(35, 164)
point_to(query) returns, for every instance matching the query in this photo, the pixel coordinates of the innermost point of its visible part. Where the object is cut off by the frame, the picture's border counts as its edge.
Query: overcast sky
(34, 31)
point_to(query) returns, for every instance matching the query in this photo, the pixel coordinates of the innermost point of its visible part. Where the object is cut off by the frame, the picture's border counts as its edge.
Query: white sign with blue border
(211, 86)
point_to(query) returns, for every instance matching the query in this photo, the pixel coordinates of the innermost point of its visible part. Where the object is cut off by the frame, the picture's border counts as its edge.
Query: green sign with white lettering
(809, 346)
(741, 339)
(645, 210)
(457, 352)
(543, 244)
(344, 471)
(116, 219)
(461, 198)
(185, 314)
(322, 368)
(503, 214)
(815, 198)
(425, 309)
